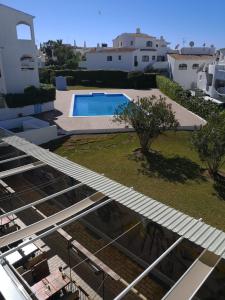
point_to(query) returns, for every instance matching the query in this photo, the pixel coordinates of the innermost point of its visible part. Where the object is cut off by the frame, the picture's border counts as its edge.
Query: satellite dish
(191, 44)
(177, 46)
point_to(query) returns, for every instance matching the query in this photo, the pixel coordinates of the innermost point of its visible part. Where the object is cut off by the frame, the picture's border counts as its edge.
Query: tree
(63, 53)
(209, 142)
(149, 117)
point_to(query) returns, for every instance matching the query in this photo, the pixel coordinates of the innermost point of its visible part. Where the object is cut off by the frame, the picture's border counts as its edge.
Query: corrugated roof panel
(173, 220)
(130, 200)
(204, 237)
(202, 234)
(214, 236)
(220, 250)
(142, 205)
(155, 207)
(160, 214)
(180, 223)
(164, 220)
(215, 245)
(141, 201)
(144, 210)
(188, 230)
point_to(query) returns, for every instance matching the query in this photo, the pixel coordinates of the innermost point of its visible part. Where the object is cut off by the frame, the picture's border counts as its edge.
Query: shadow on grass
(177, 169)
(219, 186)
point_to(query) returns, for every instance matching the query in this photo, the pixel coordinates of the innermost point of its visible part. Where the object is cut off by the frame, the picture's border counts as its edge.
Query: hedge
(31, 95)
(196, 104)
(101, 78)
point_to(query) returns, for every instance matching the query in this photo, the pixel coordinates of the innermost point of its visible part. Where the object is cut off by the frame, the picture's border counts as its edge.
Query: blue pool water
(97, 104)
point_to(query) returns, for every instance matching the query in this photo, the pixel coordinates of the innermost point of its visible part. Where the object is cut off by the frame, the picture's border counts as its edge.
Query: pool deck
(103, 124)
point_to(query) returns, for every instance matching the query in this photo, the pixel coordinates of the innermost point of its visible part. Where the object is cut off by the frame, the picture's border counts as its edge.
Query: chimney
(138, 30)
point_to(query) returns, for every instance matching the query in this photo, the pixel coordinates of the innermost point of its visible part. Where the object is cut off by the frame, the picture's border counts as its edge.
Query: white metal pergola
(209, 238)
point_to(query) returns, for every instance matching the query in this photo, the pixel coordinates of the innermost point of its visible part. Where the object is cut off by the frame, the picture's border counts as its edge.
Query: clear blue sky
(100, 21)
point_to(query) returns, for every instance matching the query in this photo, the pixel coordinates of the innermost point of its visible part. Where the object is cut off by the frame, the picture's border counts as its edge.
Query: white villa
(183, 68)
(211, 77)
(18, 54)
(130, 52)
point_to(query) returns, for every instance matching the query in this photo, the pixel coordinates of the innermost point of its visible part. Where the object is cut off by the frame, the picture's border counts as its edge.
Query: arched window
(23, 31)
(27, 62)
(149, 44)
(195, 66)
(182, 66)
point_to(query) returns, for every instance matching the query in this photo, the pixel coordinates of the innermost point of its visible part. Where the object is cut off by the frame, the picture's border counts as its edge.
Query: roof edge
(19, 11)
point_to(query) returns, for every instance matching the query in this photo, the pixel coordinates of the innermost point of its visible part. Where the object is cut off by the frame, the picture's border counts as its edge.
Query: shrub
(169, 87)
(195, 104)
(70, 80)
(101, 78)
(209, 142)
(31, 95)
(140, 80)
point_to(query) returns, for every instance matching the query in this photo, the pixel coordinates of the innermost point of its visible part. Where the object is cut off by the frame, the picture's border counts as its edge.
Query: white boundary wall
(11, 113)
(40, 136)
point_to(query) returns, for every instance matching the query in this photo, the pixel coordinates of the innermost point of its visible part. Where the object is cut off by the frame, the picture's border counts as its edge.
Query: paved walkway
(69, 124)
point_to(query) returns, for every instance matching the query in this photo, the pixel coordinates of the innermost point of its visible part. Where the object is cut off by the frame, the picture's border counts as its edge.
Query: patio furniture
(50, 285)
(29, 249)
(32, 261)
(5, 221)
(14, 257)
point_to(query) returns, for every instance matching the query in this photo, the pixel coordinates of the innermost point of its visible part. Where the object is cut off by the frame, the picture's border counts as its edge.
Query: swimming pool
(97, 104)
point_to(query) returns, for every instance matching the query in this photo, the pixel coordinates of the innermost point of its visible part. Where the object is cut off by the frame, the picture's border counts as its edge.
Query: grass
(172, 175)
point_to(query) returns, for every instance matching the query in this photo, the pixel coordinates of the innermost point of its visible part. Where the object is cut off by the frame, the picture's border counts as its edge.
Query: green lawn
(175, 175)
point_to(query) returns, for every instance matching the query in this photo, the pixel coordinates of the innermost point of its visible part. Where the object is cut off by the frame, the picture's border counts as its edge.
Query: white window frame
(145, 58)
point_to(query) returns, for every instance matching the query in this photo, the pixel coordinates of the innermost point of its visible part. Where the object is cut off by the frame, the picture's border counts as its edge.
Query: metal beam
(146, 271)
(48, 222)
(13, 158)
(189, 269)
(21, 169)
(52, 230)
(40, 200)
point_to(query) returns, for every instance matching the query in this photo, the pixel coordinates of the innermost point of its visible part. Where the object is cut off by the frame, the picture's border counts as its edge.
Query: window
(131, 43)
(27, 62)
(145, 58)
(157, 45)
(109, 58)
(23, 31)
(153, 57)
(182, 67)
(121, 44)
(119, 57)
(135, 61)
(161, 58)
(195, 66)
(149, 44)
